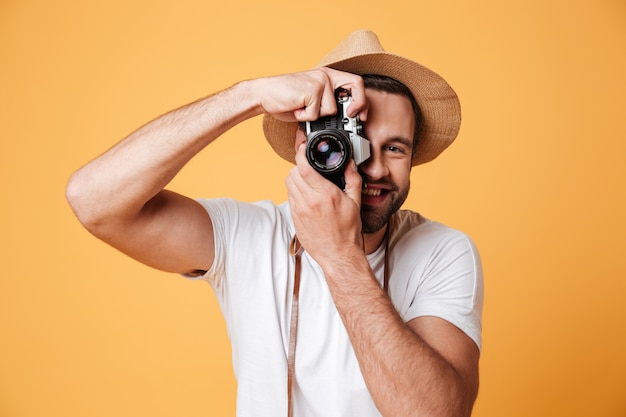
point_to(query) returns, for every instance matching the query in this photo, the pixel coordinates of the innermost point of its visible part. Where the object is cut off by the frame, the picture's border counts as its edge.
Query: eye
(394, 149)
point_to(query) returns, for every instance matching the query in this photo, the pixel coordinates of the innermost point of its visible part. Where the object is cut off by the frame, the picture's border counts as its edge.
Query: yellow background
(536, 177)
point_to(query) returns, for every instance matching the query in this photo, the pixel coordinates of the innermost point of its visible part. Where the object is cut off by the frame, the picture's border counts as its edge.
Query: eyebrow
(400, 140)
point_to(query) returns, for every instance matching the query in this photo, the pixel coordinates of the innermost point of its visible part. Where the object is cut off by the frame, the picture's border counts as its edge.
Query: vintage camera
(333, 140)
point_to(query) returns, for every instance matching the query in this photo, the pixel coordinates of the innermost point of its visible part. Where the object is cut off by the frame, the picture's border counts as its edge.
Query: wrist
(341, 265)
(251, 94)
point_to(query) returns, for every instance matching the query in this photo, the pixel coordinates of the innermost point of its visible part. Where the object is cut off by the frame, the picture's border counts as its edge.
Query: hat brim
(439, 105)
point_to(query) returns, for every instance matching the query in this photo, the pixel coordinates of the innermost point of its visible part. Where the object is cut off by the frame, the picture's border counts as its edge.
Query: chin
(372, 224)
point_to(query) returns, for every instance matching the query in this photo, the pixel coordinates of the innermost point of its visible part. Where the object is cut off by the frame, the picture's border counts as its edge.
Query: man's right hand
(309, 95)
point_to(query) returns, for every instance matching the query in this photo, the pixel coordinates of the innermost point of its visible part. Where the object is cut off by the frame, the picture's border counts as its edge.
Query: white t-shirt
(435, 271)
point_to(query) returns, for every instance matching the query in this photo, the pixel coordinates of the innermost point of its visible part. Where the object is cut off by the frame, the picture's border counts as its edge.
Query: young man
(337, 303)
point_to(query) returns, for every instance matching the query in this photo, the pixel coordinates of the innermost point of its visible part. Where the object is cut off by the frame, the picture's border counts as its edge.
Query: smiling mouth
(371, 192)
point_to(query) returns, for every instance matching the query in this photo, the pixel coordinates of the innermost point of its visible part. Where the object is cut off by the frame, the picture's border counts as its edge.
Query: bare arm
(426, 367)
(120, 196)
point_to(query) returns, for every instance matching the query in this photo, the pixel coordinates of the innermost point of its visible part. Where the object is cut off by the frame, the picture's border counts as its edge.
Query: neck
(371, 241)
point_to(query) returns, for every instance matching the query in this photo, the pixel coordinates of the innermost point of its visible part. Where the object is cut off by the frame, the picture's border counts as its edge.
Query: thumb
(353, 183)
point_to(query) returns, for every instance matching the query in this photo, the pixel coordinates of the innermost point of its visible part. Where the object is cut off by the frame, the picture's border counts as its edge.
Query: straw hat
(361, 53)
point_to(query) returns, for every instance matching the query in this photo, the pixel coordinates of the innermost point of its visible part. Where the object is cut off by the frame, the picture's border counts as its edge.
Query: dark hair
(390, 85)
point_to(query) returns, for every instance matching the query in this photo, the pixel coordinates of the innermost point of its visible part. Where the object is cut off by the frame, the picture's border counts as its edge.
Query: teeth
(373, 192)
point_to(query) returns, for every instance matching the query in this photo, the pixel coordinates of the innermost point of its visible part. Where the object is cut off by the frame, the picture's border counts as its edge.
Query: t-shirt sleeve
(234, 223)
(445, 278)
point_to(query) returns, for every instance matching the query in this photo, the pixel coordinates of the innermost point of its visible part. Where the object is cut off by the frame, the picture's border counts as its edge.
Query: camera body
(333, 140)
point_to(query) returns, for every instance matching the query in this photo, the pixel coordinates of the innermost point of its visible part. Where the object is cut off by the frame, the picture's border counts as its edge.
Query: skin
(426, 367)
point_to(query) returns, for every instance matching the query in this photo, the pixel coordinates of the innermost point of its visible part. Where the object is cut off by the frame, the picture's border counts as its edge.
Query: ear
(300, 139)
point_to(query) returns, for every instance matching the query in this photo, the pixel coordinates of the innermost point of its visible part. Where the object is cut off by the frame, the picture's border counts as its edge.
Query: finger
(296, 196)
(296, 185)
(306, 180)
(311, 178)
(328, 101)
(305, 170)
(353, 183)
(359, 103)
(310, 110)
(361, 111)
(353, 83)
(292, 182)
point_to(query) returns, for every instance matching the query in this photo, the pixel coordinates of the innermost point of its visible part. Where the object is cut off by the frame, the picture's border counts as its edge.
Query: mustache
(381, 182)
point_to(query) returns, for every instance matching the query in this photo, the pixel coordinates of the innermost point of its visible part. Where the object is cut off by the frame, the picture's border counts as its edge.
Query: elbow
(74, 194)
(463, 403)
(456, 400)
(102, 209)
(459, 398)
(450, 402)
(79, 196)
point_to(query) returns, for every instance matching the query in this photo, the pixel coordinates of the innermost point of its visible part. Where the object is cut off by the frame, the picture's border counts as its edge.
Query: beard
(374, 218)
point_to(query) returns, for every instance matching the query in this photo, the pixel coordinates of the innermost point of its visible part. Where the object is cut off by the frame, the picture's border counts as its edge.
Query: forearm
(123, 179)
(405, 376)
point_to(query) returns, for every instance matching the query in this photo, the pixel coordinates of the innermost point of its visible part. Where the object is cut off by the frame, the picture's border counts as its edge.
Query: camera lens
(327, 152)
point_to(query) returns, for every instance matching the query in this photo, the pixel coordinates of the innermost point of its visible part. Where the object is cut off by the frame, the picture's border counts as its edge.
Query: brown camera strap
(295, 250)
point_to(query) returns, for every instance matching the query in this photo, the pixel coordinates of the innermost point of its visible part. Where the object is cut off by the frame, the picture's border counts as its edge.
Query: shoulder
(429, 250)
(410, 227)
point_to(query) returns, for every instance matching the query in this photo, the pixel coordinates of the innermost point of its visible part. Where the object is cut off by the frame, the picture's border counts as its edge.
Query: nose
(374, 168)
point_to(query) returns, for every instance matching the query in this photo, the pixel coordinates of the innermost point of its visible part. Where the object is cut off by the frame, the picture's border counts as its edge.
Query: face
(389, 128)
